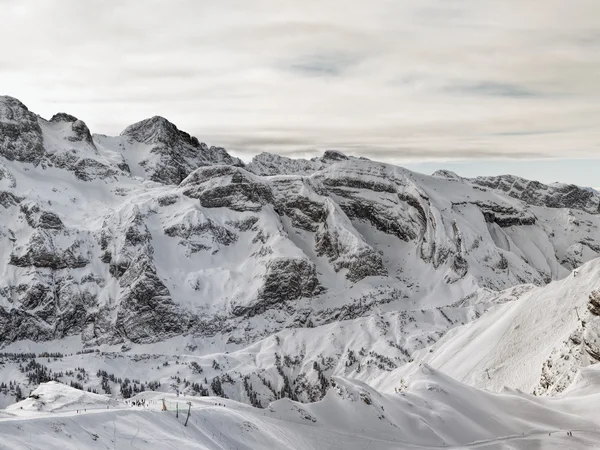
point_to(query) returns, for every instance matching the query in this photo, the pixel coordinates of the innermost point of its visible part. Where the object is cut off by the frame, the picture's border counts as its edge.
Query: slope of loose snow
(57, 397)
(510, 343)
(433, 411)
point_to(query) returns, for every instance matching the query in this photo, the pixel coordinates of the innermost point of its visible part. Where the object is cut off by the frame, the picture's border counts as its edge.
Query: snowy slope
(537, 342)
(151, 234)
(433, 412)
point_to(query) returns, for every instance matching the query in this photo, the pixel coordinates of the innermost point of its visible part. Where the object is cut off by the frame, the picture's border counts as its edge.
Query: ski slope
(431, 411)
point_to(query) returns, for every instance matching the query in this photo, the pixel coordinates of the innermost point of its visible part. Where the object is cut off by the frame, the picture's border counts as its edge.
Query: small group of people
(139, 403)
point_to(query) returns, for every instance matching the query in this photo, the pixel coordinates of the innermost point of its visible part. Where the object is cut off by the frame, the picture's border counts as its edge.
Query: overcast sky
(498, 85)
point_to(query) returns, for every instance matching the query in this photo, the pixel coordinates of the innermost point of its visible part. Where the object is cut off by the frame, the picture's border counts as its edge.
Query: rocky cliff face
(152, 234)
(581, 349)
(20, 133)
(168, 155)
(536, 193)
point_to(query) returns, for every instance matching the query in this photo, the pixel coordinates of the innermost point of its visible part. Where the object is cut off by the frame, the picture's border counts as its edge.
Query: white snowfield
(412, 407)
(509, 344)
(431, 412)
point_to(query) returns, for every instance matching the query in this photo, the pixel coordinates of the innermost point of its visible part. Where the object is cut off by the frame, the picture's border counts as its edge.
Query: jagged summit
(20, 133)
(267, 164)
(271, 164)
(167, 154)
(158, 130)
(63, 117)
(448, 174)
(12, 108)
(153, 148)
(334, 155)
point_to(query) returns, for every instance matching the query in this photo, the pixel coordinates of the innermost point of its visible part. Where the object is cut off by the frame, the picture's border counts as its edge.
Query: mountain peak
(448, 174)
(171, 154)
(158, 130)
(63, 117)
(334, 155)
(20, 131)
(12, 109)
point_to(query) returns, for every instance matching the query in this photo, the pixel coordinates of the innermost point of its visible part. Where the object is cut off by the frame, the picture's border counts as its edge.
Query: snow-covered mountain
(536, 344)
(175, 265)
(151, 234)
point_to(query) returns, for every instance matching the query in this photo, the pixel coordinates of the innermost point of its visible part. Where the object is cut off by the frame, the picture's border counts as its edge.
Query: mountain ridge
(331, 218)
(270, 276)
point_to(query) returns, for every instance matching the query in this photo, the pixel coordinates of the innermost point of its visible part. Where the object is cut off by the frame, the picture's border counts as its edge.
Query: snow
(433, 411)
(509, 344)
(56, 397)
(407, 355)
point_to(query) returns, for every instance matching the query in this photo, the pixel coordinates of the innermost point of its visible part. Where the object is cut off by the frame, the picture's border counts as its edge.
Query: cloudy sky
(479, 86)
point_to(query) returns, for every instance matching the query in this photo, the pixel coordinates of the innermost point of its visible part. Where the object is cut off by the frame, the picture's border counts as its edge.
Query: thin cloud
(427, 79)
(490, 88)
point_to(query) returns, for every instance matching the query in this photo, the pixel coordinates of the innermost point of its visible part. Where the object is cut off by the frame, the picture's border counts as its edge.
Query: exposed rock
(63, 117)
(360, 264)
(173, 154)
(505, 216)
(8, 199)
(245, 224)
(217, 233)
(242, 193)
(167, 200)
(147, 312)
(41, 252)
(37, 218)
(594, 304)
(286, 280)
(20, 134)
(536, 193)
(448, 174)
(80, 130)
(334, 155)
(357, 183)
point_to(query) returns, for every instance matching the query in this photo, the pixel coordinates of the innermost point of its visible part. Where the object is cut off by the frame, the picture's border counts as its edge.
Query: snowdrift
(56, 397)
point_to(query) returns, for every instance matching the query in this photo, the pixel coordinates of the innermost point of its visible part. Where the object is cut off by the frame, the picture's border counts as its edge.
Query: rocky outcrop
(8, 199)
(505, 216)
(41, 252)
(146, 311)
(285, 280)
(20, 134)
(358, 258)
(173, 154)
(38, 218)
(268, 164)
(227, 187)
(580, 350)
(80, 130)
(538, 194)
(594, 303)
